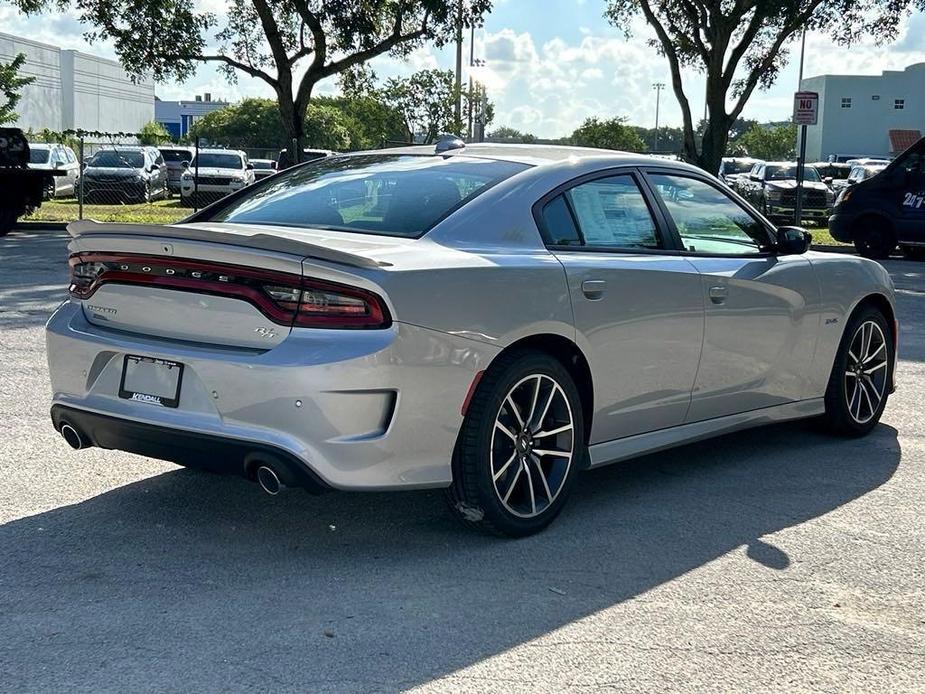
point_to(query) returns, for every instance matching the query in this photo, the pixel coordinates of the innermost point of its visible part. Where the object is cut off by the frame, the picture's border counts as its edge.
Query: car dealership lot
(778, 559)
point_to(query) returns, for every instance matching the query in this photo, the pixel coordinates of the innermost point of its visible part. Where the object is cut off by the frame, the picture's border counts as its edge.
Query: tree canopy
(741, 46)
(10, 85)
(291, 45)
(153, 134)
(611, 133)
(771, 143)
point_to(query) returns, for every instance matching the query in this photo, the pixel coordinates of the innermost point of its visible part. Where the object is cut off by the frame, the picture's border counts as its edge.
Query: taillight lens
(283, 298)
(322, 305)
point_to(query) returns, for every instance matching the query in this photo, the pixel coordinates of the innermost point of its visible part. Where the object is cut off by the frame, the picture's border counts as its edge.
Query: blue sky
(549, 65)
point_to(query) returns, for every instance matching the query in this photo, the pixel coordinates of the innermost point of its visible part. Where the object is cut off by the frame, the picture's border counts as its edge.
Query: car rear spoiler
(281, 241)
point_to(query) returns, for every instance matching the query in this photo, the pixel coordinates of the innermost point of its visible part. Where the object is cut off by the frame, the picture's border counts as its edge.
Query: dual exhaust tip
(268, 479)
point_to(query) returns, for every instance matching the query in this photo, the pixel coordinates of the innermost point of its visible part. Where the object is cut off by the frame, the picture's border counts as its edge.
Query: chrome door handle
(718, 294)
(593, 289)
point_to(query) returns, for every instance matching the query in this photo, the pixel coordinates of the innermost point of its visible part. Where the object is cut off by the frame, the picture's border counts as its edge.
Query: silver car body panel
(380, 409)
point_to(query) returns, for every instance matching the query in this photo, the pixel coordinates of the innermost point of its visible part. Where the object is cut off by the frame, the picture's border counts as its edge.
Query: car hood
(40, 167)
(111, 172)
(791, 184)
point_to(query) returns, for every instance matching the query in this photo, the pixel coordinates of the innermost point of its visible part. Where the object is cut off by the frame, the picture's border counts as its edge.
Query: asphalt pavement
(777, 560)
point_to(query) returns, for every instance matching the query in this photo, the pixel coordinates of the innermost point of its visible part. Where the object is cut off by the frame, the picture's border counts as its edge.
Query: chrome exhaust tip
(269, 481)
(72, 437)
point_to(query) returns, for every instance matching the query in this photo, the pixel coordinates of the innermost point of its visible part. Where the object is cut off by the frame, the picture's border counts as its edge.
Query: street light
(658, 87)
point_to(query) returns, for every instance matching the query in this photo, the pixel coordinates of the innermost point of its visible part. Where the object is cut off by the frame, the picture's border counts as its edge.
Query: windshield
(738, 167)
(111, 158)
(789, 173)
(175, 156)
(395, 195)
(258, 164)
(38, 156)
(208, 160)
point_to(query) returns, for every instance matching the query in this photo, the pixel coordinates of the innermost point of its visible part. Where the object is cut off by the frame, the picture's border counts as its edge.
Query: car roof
(537, 155)
(223, 151)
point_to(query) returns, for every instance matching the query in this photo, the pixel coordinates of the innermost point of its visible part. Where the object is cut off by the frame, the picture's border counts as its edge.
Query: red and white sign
(805, 108)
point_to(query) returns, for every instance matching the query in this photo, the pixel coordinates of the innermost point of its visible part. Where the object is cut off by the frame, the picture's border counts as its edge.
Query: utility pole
(658, 87)
(459, 58)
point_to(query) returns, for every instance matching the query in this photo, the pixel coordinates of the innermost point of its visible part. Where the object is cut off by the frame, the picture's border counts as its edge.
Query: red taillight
(283, 298)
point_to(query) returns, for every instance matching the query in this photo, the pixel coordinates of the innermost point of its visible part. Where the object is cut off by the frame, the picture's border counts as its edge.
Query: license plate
(151, 381)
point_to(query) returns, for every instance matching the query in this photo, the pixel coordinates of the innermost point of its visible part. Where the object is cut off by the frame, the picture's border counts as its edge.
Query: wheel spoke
(870, 403)
(536, 461)
(856, 393)
(544, 434)
(560, 454)
(507, 432)
(879, 366)
(870, 357)
(513, 483)
(536, 396)
(505, 466)
(853, 358)
(869, 333)
(552, 393)
(530, 486)
(510, 403)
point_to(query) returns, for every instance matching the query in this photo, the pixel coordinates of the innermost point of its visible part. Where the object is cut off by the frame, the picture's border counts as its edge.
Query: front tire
(861, 378)
(521, 445)
(874, 238)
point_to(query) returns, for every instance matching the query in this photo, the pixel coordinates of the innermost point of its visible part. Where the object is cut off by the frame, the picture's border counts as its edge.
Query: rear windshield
(38, 156)
(218, 161)
(176, 155)
(395, 195)
(263, 164)
(110, 158)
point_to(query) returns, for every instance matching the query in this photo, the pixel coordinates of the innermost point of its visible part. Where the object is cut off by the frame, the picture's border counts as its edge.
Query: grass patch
(159, 212)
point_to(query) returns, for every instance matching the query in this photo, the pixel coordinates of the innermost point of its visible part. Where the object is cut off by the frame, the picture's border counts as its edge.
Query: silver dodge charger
(486, 319)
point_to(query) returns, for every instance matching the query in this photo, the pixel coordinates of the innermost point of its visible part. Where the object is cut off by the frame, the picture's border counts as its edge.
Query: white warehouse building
(74, 90)
(866, 116)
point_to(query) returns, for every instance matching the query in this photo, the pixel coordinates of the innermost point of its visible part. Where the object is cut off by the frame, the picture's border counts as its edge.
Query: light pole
(658, 87)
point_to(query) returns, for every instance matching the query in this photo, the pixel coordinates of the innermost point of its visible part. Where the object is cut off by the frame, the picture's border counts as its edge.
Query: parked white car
(62, 165)
(213, 174)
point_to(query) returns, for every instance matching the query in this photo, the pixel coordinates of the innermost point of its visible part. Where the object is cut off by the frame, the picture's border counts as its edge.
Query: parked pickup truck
(771, 187)
(21, 188)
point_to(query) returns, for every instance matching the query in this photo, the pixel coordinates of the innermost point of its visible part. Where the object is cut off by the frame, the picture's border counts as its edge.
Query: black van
(885, 210)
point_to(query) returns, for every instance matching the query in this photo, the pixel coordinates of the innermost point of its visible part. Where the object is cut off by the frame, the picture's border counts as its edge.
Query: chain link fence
(110, 177)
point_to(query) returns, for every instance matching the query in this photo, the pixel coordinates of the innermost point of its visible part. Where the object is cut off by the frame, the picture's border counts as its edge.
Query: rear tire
(862, 374)
(874, 238)
(7, 221)
(520, 447)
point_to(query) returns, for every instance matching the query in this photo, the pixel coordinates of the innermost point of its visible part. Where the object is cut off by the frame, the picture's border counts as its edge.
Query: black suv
(888, 209)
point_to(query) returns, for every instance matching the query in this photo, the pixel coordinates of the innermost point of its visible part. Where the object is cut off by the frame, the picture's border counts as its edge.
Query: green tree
(291, 45)
(426, 102)
(740, 46)
(504, 133)
(10, 85)
(154, 134)
(255, 123)
(769, 143)
(612, 133)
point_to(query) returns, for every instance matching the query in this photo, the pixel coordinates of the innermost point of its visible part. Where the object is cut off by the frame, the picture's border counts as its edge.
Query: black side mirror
(828, 180)
(184, 164)
(793, 240)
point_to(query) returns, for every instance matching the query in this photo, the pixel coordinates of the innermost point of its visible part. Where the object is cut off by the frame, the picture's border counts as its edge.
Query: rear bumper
(358, 409)
(189, 448)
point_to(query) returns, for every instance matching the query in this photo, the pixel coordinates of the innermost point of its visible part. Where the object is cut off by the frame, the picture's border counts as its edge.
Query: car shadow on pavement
(191, 581)
(34, 277)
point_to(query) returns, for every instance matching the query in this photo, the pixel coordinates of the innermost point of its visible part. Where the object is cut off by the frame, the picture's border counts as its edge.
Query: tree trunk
(716, 132)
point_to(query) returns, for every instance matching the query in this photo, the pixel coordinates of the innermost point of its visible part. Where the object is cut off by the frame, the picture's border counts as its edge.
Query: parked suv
(125, 174)
(219, 172)
(886, 209)
(61, 160)
(771, 187)
(732, 167)
(175, 157)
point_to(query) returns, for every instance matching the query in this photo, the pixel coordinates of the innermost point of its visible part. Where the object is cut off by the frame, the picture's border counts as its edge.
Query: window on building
(899, 104)
(846, 102)
(875, 97)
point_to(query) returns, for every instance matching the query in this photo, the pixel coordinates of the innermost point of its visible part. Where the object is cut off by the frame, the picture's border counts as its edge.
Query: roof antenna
(449, 142)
